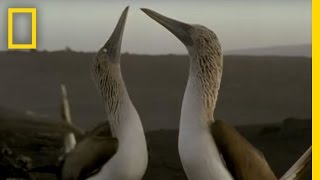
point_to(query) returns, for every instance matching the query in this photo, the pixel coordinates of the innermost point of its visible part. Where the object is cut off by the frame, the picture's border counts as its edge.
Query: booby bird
(199, 154)
(131, 158)
(117, 149)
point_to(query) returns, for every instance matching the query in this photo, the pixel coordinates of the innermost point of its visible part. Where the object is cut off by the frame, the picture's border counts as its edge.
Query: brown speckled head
(205, 54)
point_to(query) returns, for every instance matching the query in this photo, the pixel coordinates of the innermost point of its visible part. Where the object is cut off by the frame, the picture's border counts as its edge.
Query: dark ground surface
(260, 90)
(254, 89)
(282, 144)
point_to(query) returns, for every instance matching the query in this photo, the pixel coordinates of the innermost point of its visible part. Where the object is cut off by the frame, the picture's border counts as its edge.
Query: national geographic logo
(11, 43)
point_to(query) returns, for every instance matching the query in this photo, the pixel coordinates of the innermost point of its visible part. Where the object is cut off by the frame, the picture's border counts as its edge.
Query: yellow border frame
(315, 89)
(33, 12)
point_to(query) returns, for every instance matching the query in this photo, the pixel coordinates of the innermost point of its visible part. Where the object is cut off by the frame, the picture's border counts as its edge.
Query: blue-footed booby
(131, 157)
(209, 149)
(116, 149)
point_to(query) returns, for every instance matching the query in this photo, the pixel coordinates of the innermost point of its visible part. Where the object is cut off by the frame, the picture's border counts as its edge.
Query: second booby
(202, 139)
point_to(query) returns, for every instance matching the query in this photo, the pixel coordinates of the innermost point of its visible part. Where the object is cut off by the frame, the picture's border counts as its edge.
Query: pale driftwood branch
(298, 168)
(65, 104)
(69, 139)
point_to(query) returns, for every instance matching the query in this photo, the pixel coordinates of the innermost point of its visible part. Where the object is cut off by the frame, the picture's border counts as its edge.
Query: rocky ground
(26, 142)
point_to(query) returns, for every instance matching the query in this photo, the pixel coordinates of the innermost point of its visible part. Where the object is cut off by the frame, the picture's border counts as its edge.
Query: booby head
(194, 37)
(205, 54)
(111, 50)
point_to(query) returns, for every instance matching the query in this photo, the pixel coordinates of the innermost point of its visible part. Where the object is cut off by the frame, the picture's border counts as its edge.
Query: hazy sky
(86, 24)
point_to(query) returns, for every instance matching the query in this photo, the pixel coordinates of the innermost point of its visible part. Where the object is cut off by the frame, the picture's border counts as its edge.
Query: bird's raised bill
(113, 45)
(179, 29)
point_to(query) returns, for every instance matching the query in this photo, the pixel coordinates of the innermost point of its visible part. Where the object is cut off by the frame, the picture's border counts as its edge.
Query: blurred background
(265, 90)
(270, 81)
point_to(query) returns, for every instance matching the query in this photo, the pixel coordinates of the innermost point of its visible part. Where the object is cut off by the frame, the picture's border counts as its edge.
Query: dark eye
(190, 30)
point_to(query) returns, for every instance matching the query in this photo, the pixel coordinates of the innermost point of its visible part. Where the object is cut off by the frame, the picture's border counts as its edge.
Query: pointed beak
(179, 29)
(113, 45)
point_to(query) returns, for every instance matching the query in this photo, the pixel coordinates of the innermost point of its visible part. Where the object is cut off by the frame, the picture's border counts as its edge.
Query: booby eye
(190, 30)
(105, 50)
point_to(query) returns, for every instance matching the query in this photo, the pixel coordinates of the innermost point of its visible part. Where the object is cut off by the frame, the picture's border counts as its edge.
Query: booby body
(130, 160)
(200, 157)
(115, 150)
(199, 154)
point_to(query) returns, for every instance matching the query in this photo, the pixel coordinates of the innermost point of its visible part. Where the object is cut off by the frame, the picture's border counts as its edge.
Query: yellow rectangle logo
(33, 12)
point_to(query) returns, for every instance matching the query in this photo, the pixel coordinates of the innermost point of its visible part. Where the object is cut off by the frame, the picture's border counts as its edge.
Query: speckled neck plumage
(206, 68)
(131, 158)
(108, 78)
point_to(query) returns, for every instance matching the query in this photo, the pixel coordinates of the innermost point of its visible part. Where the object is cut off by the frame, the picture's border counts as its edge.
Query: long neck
(121, 114)
(203, 85)
(123, 119)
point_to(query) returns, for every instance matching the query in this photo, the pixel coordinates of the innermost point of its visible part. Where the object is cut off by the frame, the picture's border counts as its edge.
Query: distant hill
(294, 50)
(254, 89)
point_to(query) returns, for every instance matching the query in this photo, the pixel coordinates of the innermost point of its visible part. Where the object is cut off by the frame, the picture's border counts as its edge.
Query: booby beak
(179, 29)
(113, 45)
